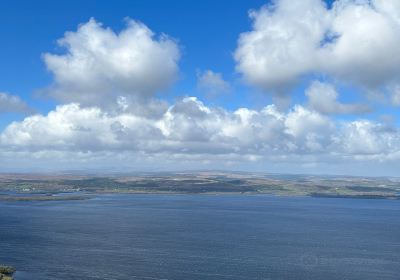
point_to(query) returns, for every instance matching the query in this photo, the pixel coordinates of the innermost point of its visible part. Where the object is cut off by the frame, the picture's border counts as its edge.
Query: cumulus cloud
(107, 84)
(99, 64)
(212, 83)
(353, 41)
(74, 128)
(324, 99)
(194, 132)
(13, 104)
(282, 44)
(369, 140)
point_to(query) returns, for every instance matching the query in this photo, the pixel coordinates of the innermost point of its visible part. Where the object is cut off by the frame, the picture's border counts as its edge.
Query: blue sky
(206, 30)
(29, 29)
(330, 82)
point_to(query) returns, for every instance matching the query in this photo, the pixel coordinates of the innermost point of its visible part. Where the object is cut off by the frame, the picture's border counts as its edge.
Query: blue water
(193, 237)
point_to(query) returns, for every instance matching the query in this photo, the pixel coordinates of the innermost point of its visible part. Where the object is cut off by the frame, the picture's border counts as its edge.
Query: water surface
(202, 237)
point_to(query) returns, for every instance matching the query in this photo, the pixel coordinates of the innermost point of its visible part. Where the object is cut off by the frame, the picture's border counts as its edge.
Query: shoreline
(61, 188)
(87, 196)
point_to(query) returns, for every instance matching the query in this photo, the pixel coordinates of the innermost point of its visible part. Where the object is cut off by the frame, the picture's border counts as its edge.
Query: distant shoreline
(17, 187)
(46, 198)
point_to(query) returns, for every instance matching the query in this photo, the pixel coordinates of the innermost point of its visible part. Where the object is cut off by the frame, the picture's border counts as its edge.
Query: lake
(192, 237)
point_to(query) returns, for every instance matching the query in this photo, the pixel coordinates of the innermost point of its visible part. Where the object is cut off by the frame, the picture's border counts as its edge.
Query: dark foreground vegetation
(23, 187)
(6, 272)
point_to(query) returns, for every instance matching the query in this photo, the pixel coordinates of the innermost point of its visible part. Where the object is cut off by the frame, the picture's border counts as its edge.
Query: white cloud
(12, 103)
(282, 45)
(368, 138)
(323, 98)
(354, 41)
(309, 129)
(109, 114)
(366, 50)
(193, 133)
(73, 128)
(99, 65)
(212, 83)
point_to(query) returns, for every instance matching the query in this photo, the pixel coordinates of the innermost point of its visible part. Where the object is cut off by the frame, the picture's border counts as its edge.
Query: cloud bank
(190, 130)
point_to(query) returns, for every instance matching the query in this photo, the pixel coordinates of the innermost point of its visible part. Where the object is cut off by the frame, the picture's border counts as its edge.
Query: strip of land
(44, 187)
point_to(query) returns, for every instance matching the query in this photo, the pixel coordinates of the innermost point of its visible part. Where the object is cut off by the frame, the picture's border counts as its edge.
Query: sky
(269, 86)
